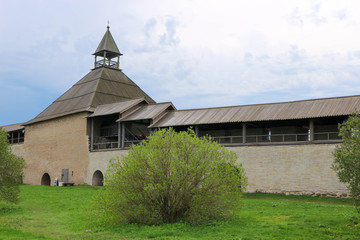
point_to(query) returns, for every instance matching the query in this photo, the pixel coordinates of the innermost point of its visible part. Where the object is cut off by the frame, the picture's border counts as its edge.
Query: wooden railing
(274, 138)
(108, 63)
(105, 145)
(224, 140)
(112, 145)
(327, 136)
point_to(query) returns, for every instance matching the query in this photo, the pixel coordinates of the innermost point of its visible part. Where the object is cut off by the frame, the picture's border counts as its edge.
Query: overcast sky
(194, 53)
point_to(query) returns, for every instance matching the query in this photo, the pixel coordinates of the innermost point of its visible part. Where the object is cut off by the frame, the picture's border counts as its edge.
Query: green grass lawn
(62, 213)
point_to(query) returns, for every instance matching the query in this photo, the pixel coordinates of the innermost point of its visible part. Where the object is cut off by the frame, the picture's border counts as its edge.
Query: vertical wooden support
(119, 134)
(122, 135)
(92, 135)
(197, 131)
(244, 133)
(12, 137)
(311, 128)
(269, 134)
(104, 63)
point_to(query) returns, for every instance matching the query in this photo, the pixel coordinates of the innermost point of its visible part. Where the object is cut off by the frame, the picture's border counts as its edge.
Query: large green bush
(347, 157)
(170, 177)
(11, 171)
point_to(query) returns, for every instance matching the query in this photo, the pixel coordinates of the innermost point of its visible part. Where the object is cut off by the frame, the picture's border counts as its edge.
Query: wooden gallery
(284, 147)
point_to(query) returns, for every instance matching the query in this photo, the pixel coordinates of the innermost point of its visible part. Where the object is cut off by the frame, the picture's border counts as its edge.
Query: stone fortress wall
(288, 169)
(295, 168)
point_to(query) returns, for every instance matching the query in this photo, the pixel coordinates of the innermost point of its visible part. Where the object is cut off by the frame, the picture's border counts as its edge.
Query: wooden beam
(244, 133)
(119, 133)
(92, 135)
(311, 128)
(122, 135)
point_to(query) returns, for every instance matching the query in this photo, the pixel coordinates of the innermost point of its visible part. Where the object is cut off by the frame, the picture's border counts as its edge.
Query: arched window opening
(98, 178)
(45, 180)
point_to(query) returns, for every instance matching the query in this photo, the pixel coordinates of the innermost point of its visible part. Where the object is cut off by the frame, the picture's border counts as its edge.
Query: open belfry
(285, 147)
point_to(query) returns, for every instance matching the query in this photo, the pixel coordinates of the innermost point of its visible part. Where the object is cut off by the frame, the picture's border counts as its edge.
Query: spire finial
(108, 26)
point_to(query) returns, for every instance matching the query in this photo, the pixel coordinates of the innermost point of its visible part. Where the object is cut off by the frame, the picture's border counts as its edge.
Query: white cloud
(195, 53)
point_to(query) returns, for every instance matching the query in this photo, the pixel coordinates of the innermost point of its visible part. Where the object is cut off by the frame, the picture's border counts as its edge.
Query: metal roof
(326, 107)
(151, 111)
(119, 107)
(13, 127)
(107, 45)
(100, 86)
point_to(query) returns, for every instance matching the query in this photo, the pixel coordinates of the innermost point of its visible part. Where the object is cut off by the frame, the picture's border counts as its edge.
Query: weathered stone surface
(54, 145)
(290, 168)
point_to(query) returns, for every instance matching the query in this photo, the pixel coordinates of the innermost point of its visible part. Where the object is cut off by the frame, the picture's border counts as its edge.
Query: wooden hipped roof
(100, 86)
(107, 45)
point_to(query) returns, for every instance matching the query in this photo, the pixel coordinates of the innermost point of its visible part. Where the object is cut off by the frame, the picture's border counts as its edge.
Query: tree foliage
(170, 177)
(347, 157)
(11, 170)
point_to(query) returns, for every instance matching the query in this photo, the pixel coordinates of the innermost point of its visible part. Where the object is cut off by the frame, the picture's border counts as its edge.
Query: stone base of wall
(312, 194)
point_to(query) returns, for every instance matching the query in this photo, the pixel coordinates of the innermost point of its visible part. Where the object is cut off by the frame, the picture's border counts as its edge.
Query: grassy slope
(61, 213)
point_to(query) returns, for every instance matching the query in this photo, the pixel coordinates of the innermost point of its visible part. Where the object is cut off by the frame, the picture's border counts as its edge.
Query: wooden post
(197, 131)
(244, 133)
(92, 135)
(122, 135)
(311, 128)
(119, 134)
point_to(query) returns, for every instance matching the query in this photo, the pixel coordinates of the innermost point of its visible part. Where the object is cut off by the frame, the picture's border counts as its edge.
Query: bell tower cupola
(107, 53)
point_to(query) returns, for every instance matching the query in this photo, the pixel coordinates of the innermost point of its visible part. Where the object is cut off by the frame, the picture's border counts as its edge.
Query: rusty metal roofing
(151, 111)
(100, 86)
(13, 127)
(107, 45)
(119, 107)
(326, 107)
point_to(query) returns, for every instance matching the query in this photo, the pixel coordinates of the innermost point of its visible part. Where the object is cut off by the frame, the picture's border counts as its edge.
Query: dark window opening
(16, 136)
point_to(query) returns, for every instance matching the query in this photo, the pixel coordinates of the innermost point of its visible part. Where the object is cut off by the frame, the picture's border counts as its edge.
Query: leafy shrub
(11, 171)
(170, 177)
(347, 157)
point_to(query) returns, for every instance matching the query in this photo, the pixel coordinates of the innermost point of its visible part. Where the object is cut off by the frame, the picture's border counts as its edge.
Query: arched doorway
(45, 180)
(98, 178)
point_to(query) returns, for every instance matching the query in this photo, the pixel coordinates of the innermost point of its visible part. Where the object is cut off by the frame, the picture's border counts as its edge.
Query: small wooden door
(65, 175)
